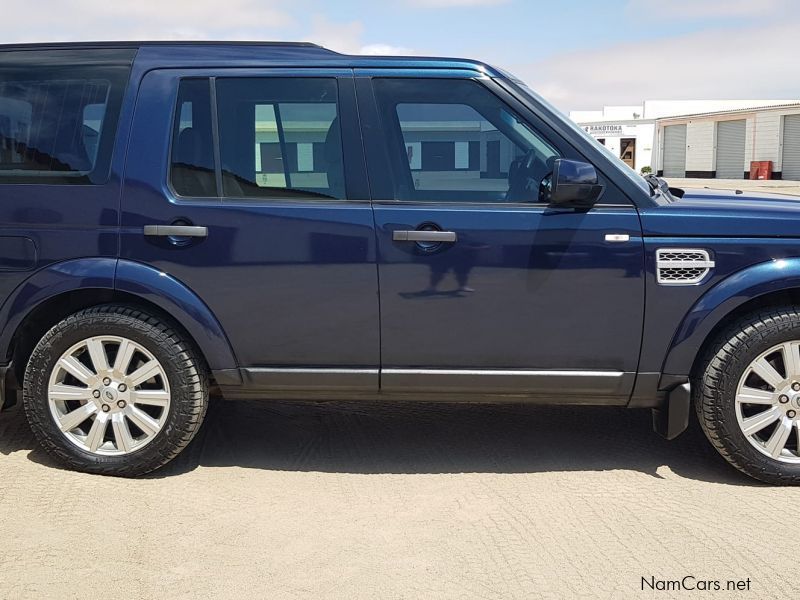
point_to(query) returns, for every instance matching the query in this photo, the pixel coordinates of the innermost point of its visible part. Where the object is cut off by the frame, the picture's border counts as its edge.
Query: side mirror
(574, 183)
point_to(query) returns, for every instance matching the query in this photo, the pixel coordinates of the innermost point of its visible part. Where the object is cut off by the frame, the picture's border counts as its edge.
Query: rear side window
(280, 138)
(58, 114)
(192, 164)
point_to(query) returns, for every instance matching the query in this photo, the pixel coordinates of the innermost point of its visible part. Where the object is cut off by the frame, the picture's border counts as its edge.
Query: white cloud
(75, 20)
(385, 50)
(347, 38)
(753, 62)
(342, 37)
(455, 3)
(70, 20)
(702, 9)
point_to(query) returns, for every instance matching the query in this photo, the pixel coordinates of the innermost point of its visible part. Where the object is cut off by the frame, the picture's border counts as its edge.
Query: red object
(761, 169)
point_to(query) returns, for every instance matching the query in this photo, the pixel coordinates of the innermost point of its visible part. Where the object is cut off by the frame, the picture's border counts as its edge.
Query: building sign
(610, 130)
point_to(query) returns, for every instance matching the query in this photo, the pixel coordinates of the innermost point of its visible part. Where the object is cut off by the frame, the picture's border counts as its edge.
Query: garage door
(675, 151)
(730, 149)
(791, 147)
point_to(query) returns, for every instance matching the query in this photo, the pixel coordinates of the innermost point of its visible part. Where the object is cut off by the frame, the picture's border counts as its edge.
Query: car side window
(192, 163)
(280, 138)
(58, 115)
(454, 141)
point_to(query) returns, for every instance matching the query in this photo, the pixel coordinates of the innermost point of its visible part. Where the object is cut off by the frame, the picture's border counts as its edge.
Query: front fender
(142, 281)
(718, 302)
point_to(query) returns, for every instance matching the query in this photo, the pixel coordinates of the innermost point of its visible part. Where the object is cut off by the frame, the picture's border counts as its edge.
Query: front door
(483, 288)
(287, 260)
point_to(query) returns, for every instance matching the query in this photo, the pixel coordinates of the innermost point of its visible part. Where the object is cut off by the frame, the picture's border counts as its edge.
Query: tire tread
(710, 380)
(179, 429)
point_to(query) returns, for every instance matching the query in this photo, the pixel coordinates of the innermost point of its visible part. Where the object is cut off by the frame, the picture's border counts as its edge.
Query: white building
(696, 145)
(723, 144)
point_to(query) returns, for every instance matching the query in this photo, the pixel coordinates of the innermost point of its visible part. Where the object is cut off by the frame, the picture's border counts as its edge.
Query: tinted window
(280, 138)
(192, 169)
(58, 114)
(453, 140)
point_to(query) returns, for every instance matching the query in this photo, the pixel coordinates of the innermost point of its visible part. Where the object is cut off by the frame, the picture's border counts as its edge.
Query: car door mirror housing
(574, 183)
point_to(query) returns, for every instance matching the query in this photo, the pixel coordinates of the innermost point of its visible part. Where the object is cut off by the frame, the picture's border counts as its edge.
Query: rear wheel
(748, 395)
(114, 390)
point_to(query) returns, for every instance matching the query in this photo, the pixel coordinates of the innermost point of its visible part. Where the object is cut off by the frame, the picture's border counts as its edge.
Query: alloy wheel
(768, 402)
(109, 395)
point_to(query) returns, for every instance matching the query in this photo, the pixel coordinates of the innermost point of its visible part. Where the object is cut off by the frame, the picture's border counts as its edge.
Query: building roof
(731, 111)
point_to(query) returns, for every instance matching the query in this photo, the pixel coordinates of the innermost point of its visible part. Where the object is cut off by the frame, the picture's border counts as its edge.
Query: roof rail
(134, 43)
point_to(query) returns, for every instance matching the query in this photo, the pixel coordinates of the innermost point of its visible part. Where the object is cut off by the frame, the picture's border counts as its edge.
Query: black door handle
(176, 231)
(424, 236)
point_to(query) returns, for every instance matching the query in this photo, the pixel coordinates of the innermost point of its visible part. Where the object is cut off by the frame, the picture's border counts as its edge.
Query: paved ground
(770, 186)
(352, 500)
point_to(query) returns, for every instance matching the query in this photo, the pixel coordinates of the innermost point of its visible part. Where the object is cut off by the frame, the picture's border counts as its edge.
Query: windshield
(624, 168)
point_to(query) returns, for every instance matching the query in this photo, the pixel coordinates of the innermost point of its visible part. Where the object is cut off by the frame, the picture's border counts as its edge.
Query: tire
(132, 427)
(760, 438)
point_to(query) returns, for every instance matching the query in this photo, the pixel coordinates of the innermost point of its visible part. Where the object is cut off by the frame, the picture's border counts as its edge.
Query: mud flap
(8, 387)
(672, 418)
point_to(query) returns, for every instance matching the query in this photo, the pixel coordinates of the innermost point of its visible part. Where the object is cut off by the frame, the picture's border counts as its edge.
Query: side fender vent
(682, 266)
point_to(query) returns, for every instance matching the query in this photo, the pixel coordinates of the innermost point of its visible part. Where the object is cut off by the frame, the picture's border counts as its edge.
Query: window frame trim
(369, 111)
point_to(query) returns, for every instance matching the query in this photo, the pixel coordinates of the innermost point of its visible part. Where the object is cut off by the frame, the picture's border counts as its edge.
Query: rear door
(484, 288)
(270, 163)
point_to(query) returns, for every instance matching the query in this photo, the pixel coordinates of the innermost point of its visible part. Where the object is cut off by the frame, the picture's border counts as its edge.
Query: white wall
(613, 145)
(766, 131)
(609, 113)
(644, 145)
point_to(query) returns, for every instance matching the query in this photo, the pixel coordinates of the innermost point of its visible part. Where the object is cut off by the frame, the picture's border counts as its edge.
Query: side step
(672, 418)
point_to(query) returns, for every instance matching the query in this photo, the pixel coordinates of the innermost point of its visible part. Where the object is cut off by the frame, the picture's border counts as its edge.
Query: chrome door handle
(424, 236)
(176, 230)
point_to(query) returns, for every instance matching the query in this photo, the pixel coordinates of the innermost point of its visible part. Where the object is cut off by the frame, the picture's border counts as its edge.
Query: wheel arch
(769, 284)
(64, 288)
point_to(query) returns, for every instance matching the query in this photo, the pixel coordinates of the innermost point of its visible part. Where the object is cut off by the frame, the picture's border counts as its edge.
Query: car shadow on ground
(374, 437)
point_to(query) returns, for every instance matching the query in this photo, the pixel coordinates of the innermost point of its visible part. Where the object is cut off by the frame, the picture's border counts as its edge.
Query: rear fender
(183, 304)
(134, 279)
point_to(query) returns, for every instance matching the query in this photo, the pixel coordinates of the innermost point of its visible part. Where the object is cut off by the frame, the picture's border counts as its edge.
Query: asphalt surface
(364, 500)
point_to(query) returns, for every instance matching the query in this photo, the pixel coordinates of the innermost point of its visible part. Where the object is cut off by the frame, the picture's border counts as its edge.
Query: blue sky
(580, 54)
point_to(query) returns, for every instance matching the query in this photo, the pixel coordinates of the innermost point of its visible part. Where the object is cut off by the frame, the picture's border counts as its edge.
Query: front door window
(470, 150)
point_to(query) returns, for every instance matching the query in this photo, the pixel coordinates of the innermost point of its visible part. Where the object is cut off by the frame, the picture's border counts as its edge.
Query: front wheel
(747, 395)
(113, 390)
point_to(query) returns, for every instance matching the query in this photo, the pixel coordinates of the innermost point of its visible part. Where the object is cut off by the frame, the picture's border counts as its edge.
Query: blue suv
(282, 221)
